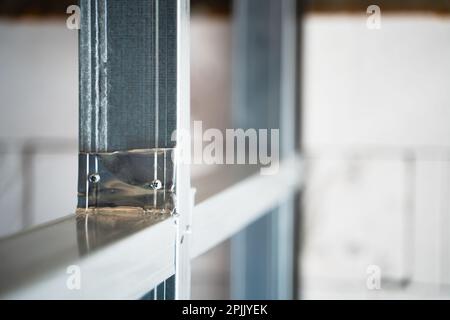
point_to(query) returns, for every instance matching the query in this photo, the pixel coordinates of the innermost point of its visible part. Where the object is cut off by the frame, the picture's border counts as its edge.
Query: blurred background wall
(38, 122)
(376, 137)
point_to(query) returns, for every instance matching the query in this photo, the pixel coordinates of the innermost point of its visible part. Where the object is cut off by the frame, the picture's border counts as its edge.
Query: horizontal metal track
(119, 259)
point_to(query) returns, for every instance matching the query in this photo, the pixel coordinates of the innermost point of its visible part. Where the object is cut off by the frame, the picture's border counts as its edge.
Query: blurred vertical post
(299, 148)
(264, 97)
(134, 94)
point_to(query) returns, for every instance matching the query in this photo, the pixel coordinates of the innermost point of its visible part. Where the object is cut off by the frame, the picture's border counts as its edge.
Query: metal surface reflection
(97, 230)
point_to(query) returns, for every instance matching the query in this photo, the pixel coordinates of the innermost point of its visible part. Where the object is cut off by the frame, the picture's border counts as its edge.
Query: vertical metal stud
(184, 193)
(134, 95)
(264, 89)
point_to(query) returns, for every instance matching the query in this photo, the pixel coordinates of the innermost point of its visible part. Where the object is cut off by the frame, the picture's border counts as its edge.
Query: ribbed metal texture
(128, 74)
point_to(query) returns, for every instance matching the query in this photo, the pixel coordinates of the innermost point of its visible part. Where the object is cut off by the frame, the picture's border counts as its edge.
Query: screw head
(155, 184)
(94, 178)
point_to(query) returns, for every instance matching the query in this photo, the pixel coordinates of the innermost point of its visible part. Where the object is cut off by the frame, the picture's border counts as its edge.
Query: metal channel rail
(125, 259)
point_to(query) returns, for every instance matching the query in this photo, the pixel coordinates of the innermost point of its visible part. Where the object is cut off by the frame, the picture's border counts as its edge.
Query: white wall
(370, 96)
(384, 87)
(39, 104)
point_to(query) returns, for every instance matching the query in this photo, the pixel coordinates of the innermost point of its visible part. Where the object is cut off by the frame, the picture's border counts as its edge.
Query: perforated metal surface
(128, 74)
